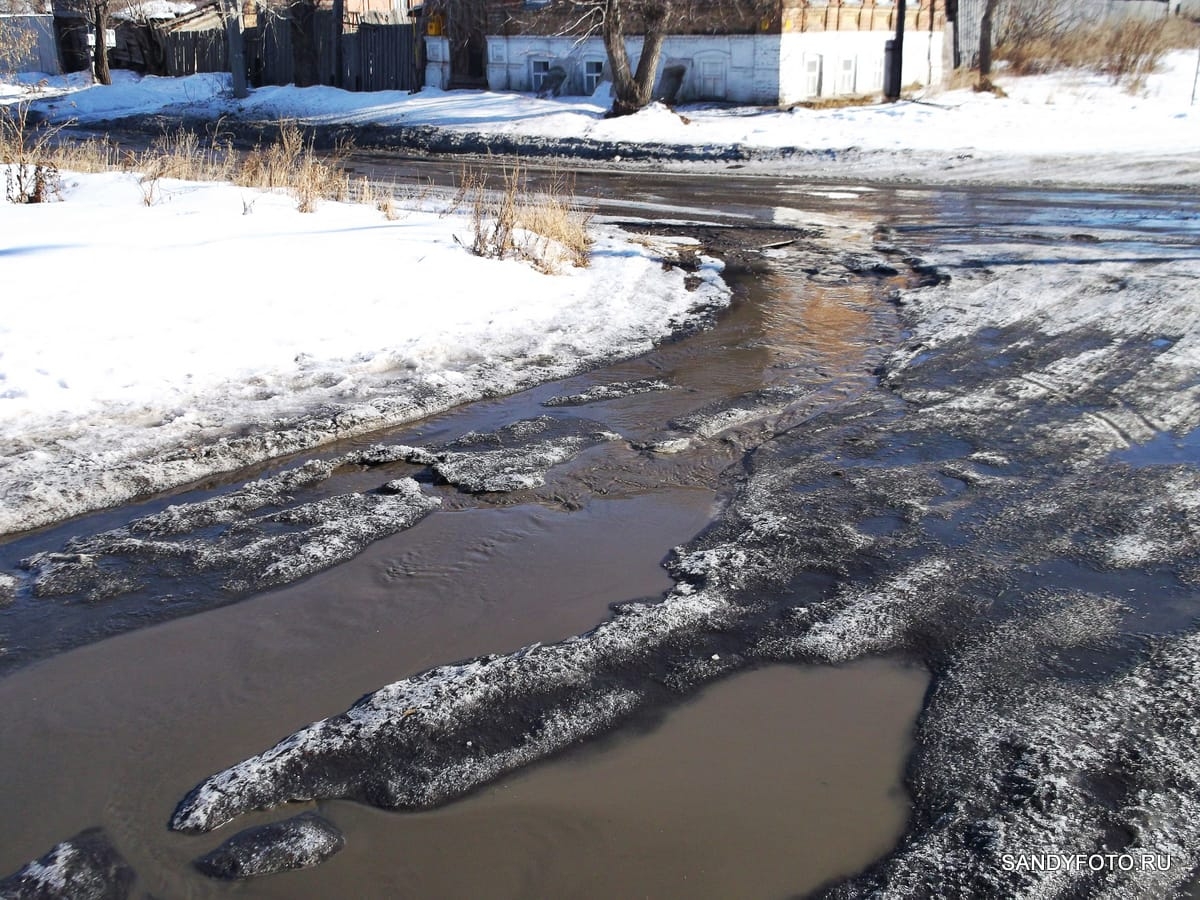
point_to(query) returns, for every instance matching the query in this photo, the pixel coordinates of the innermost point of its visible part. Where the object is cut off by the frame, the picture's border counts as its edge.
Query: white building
(816, 50)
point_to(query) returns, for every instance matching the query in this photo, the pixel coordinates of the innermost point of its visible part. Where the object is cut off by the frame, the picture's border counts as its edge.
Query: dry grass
(1126, 52)
(290, 163)
(837, 102)
(30, 170)
(1181, 34)
(546, 227)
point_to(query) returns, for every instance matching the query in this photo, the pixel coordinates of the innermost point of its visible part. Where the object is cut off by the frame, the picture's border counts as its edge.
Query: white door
(847, 69)
(712, 80)
(812, 75)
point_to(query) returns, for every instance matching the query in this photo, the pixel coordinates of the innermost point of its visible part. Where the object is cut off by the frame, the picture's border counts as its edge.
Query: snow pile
(1047, 126)
(131, 94)
(145, 346)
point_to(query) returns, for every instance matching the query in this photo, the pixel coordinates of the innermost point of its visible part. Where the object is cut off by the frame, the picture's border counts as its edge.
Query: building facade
(802, 50)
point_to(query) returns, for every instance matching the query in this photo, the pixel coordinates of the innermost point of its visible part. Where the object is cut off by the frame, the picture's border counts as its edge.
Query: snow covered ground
(1067, 127)
(142, 347)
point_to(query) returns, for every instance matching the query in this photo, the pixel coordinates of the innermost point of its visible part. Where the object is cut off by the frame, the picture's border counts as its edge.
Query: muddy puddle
(771, 782)
(677, 807)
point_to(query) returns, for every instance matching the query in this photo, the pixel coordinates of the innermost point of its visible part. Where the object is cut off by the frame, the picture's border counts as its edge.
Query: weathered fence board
(375, 57)
(189, 52)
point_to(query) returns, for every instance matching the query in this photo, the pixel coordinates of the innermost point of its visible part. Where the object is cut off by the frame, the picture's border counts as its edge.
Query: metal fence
(38, 49)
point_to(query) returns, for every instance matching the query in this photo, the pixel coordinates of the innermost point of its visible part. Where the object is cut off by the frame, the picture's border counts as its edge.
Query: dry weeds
(290, 163)
(546, 228)
(30, 170)
(1126, 52)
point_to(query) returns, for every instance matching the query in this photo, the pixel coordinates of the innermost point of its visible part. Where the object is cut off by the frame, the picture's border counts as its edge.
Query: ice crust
(265, 534)
(245, 553)
(614, 391)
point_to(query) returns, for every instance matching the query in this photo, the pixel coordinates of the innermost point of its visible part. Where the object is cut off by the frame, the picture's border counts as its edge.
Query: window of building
(593, 74)
(538, 70)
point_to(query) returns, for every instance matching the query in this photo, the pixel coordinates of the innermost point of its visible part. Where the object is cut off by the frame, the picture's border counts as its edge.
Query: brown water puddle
(765, 785)
(115, 733)
(770, 783)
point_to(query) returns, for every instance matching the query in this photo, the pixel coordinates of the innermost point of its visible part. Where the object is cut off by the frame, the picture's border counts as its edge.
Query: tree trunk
(632, 90)
(339, 60)
(100, 51)
(235, 39)
(304, 45)
(985, 39)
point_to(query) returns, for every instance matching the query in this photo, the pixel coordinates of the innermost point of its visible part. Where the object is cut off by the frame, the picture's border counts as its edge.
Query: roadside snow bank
(142, 347)
(1070, 127)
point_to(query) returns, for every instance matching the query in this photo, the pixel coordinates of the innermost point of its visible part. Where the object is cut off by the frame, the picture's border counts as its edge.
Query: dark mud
(968, 515)
(85, 867)
(427, 140)
(298, 843)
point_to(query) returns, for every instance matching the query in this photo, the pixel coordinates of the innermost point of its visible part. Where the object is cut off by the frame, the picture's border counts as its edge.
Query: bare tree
(101, 17)
(632, 89)
(98, 16)
(654, 20)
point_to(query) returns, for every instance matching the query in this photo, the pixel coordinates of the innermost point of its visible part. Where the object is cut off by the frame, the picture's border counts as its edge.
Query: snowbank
(145, 346)
(1050, 126)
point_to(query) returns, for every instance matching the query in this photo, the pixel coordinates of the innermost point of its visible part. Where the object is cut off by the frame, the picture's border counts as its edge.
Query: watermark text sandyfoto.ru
(1140, 861)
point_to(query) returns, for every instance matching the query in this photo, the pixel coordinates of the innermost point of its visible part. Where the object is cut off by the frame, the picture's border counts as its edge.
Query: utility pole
(897, 68)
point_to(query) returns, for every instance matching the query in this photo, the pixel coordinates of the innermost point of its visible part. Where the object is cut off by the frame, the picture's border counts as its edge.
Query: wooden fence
(374, 57)
(189, 52)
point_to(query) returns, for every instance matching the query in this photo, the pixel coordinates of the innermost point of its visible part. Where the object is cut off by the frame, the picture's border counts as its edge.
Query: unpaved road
(944, 439)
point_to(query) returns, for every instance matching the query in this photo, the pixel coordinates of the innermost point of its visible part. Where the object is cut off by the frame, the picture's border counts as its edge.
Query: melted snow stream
(767, 783)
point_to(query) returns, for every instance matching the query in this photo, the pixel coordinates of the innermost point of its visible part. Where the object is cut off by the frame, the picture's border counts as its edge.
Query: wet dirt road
(768, 783)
